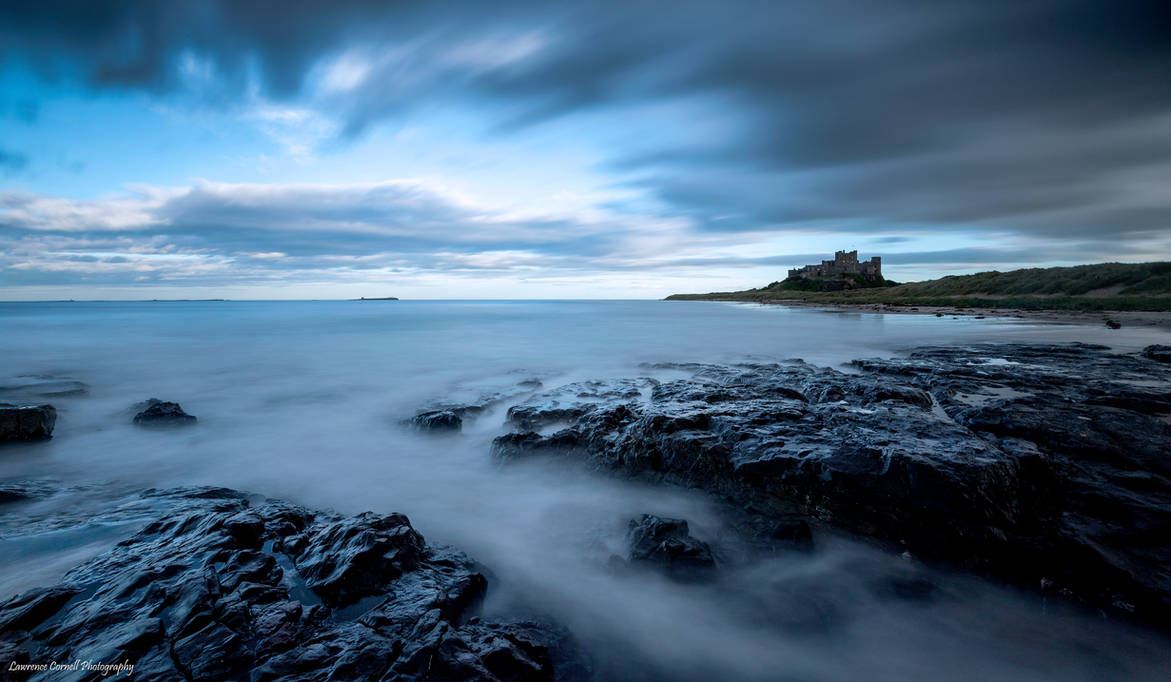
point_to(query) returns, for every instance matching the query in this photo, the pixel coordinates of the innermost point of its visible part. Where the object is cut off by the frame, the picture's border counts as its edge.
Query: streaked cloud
(221, 234)
(719, 135)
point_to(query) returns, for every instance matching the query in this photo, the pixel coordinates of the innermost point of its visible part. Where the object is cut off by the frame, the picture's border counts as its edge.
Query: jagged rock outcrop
(566, 403)
(22, 422)
(450, 415)
(668, 544)
(224, 588)
(158, 413)
(437, 420)
(1041, 465)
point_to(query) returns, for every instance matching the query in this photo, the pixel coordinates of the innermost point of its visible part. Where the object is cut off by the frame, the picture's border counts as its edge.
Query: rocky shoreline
(1041, 466)
(225, 586)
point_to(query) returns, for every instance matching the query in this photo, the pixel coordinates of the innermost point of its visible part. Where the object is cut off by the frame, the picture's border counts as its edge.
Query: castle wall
(844, 263)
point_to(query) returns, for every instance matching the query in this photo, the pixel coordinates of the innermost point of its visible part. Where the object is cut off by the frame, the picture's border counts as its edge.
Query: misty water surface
(302, 400)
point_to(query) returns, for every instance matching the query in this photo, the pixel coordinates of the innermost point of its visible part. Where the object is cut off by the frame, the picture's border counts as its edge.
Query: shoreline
(1126, 318)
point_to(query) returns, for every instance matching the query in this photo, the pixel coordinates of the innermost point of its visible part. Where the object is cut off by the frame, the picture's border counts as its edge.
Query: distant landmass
(1104, 286)
(384, 298)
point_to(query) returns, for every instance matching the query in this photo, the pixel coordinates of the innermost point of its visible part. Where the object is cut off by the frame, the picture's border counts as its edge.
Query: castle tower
(846, 258)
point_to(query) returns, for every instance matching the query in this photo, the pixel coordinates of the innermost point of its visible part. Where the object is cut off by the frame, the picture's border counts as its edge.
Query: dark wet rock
(352, 558)
(795, 532)
(450, 415)
(668, 544)
(32, 608)
(227, 587)
(437, 420)
(158, 413)
(1029, 463)
(1113, 324)
(530, 443)
(23, 422)
(1157, 352)
(26, 490)
(571, 401)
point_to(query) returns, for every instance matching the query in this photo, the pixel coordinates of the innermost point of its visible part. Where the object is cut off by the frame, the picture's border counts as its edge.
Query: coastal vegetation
(1103, 286)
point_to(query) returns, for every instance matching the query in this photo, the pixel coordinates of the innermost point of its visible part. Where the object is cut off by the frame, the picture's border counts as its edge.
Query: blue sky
(544, 150)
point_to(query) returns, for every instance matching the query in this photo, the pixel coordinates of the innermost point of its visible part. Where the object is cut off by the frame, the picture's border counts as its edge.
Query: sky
(593, 149)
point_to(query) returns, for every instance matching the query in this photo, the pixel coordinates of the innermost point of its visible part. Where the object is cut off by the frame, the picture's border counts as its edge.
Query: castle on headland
(844, 263)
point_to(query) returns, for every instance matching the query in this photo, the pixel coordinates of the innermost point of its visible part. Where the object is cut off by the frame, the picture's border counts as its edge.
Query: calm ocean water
(302, 400)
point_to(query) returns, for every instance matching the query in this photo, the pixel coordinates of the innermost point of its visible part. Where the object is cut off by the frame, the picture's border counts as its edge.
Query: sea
(305, 401)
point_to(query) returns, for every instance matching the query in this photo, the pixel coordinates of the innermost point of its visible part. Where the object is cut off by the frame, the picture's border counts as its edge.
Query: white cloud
(404, 232)
(345, 72)
(493, 52)
(299, 130)
(28, 211)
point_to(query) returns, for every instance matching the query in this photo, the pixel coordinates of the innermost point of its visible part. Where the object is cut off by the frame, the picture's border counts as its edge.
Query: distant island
(846, 281)
(384, 298)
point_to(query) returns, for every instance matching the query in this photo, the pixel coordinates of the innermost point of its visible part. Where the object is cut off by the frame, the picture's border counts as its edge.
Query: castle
(844, 263)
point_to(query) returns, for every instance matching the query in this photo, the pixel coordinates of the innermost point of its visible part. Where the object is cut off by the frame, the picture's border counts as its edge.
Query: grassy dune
(1105, 286)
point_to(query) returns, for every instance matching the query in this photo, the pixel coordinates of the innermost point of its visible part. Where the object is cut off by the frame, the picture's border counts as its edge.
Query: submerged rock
(157, 413)
(1029, 463)
(224, 588)
(22, 491)
(33, 386)
(19, 422)
(1157, 352)
(437, 420)
(668, 544)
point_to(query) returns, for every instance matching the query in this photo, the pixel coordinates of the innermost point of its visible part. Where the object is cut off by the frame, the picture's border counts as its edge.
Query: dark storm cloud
(1050, 117)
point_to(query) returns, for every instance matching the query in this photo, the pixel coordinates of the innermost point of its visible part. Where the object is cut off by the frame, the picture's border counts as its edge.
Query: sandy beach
(1125, 318)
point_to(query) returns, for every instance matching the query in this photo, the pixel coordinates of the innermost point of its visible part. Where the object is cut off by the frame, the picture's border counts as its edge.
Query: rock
(157, 413)
(26, 611)
(20, 422)
(1157, 352)
(529, 443)
(33, 386)
(1024, 462)
(668, 544)
(569, 402)
(437, 420)
(795, 532)
(352, 558)
(19, 492)
(222, 587)
(449, 415)
(1113, 324)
